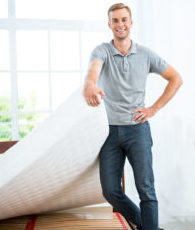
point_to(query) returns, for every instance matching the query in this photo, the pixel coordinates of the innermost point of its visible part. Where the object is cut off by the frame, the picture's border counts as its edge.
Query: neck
(123, 46)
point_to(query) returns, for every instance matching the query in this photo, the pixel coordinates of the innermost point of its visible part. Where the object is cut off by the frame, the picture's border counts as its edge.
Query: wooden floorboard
(86, 218)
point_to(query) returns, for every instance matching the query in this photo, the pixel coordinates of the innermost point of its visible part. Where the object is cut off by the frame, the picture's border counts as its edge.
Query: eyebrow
(117, 18)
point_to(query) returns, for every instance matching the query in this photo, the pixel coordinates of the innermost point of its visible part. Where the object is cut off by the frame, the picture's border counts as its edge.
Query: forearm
(93, 72)
(91, 91)
(91, 81)
(91, 78)
(169, 92)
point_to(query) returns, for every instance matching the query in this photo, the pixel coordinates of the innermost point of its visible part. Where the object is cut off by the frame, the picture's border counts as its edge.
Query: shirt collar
(132, 50)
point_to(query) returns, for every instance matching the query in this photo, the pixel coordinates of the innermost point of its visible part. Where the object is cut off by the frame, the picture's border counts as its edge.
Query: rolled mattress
(55, 166)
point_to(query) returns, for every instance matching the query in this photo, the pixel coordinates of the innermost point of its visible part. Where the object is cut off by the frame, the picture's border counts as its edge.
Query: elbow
(180, 81)
(176, 82)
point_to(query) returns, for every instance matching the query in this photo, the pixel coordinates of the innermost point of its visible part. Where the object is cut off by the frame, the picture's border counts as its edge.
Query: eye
(115, 20)
(124, 19)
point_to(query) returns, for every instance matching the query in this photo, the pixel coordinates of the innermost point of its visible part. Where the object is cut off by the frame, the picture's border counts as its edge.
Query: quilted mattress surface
(56, 166)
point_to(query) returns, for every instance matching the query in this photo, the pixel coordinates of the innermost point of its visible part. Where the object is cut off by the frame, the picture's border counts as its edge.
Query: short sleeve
(157, 64)
(99, 53)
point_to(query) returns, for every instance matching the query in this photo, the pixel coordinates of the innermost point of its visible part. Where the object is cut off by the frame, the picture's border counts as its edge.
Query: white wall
(168, 28)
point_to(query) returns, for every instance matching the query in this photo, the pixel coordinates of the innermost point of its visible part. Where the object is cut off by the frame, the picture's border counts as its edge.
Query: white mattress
(55, 166)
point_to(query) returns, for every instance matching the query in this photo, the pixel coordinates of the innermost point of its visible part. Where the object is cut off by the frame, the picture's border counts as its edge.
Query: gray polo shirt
(123, 79)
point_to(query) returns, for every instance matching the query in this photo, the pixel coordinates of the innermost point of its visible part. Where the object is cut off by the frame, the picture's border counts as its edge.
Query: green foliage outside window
(26, 121)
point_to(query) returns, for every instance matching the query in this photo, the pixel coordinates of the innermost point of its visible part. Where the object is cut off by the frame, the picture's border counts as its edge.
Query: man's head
(120, 20)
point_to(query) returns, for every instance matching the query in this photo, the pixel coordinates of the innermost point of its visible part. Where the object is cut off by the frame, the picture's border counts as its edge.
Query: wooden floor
(86, 218)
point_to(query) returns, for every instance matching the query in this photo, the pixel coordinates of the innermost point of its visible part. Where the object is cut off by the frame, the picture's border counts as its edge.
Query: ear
(109, 24)
(131, 23)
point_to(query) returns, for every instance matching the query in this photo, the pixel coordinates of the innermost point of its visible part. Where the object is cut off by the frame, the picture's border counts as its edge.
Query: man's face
(120, 23)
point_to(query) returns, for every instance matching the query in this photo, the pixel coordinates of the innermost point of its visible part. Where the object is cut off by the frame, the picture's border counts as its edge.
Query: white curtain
(168, 28)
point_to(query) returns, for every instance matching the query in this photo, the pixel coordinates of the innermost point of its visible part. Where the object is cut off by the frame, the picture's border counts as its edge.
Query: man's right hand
(91, 92)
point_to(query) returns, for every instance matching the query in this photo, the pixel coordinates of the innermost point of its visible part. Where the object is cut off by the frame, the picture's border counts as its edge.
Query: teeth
(121, 30)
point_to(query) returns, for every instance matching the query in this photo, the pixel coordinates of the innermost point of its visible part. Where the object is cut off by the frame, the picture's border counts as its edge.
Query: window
(3, 8)
(44, 57)
(61, 9)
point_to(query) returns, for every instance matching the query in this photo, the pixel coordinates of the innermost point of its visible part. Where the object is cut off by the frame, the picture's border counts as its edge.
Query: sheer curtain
(168, 28)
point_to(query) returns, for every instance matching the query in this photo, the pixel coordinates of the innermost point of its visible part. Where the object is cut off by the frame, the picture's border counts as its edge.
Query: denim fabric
(133, 142)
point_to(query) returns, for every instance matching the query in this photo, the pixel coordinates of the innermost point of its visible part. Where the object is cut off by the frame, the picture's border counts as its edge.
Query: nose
(120, 23)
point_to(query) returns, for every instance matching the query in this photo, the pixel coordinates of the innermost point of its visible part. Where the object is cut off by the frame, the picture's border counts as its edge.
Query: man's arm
(174, 82)
(91, 91)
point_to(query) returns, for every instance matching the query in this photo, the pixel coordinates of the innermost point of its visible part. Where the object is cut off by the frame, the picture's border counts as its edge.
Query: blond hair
(119, 6)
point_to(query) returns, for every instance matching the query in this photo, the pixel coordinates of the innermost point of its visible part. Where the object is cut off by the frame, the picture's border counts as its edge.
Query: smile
(121, 31)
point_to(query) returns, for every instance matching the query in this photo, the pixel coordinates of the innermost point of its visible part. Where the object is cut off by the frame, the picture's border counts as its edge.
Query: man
(120, 69)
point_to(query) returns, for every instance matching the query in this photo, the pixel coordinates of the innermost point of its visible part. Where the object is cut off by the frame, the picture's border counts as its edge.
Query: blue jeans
(135, 142)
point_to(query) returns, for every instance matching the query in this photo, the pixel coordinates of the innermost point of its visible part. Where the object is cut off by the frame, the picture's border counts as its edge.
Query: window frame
(12, 25)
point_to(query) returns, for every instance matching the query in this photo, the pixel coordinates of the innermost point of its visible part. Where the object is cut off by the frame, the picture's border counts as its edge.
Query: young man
(120, 69)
